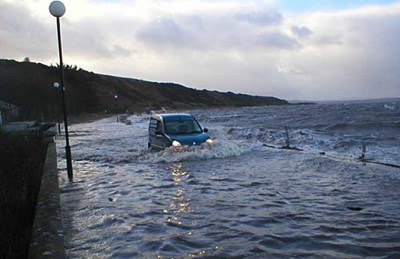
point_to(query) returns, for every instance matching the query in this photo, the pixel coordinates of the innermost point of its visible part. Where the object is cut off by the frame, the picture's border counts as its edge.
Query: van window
(182, 127)
(158, 127)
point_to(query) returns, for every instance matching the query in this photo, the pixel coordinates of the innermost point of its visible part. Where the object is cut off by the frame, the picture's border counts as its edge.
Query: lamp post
(57, 9)
(56, 86)
(116, 105)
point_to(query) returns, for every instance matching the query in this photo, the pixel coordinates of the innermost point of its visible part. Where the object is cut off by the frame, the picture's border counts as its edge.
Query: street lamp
(57, 9)
(116, 105)
(56, 86)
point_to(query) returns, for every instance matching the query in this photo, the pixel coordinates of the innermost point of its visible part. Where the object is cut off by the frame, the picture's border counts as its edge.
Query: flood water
(241, 197)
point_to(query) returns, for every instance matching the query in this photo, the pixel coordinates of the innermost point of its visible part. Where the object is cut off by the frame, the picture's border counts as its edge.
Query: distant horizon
(349, 100)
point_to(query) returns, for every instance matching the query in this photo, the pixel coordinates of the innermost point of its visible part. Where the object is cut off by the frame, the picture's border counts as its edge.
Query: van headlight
(176, 143)
(210, 141)
(176, 146)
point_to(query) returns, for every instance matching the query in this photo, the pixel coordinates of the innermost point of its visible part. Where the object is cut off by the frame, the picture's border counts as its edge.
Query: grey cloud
(21, 34)
(209, 32)
(277, 40)
(91, 41)
(163, 31)
(384, 34)
(293, 70)
(271, 17)
(118, 50)
(329, 40)
(301, 31)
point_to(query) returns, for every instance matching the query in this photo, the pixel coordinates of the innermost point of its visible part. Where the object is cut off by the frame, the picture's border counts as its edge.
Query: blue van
(176, 130)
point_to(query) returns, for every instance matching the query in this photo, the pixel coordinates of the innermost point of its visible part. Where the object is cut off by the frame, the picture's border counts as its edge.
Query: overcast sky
(308, 50)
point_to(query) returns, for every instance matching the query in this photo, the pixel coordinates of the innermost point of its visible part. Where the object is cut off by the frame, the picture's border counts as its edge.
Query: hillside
(30, 86)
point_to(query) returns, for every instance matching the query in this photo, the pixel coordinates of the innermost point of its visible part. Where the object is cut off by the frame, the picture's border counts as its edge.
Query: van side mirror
(205, 130)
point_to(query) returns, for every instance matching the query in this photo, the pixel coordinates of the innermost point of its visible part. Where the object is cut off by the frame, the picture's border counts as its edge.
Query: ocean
(245, 196)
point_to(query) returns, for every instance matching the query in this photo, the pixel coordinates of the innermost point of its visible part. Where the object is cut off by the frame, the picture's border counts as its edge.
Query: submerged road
(238, 199)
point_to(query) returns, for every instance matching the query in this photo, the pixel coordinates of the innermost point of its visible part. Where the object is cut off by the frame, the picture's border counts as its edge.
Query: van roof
(174, 116)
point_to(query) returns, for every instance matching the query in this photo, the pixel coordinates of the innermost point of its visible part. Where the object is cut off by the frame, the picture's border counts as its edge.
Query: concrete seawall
(47, 234)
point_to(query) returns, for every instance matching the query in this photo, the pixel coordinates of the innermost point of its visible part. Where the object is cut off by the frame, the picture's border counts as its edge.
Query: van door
(157, 138)
(152, 132)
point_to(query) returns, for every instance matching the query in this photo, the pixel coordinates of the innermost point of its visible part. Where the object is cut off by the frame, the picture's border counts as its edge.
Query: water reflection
(179, 203)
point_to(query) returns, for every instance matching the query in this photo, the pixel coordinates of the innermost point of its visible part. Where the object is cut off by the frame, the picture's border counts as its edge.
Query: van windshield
(182, 127)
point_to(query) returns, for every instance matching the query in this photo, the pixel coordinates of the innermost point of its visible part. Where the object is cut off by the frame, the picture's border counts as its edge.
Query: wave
(110, 142)
(217, 151)
(390, 107)
(143, 155)
(363, 126)
(321, 141)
